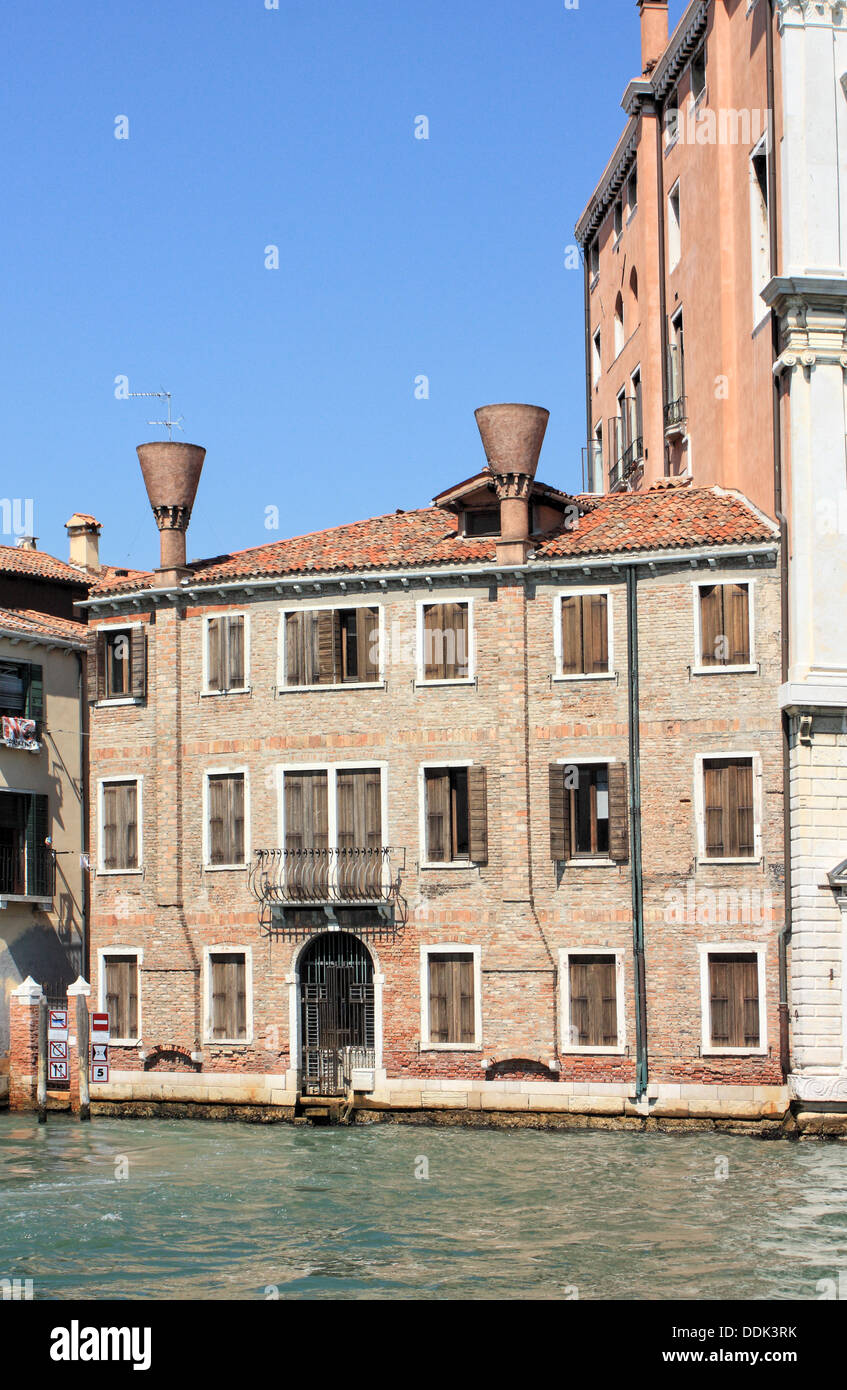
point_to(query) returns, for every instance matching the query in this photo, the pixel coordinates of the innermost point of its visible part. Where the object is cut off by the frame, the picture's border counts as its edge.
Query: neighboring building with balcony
(382, 814)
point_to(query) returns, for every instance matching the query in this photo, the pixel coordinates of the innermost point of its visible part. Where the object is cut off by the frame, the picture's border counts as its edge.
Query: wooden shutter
(748, 991)
(711, 624)
(367, 643)
(738, 809)
(438, 999)
(572, 662)
(713, 801)
(359, 817)
(477, 815)
(329, 647)
(214, 660)
(226, 819)
(560, 814)
(35, 694)
(38, 879)
(138, 662)
(110, 826)
(579, 1012)
(235, 653)
(95, 663)
(734, 1000)
(236, 818)
(458, 650)
(220, 996)
(593, 996)
(451, 999)
(737, 623)
(618, 814)
(294, 649)
(121, 990)
(437, 790)
(719, 1002)
(434, 643)
(595, 628)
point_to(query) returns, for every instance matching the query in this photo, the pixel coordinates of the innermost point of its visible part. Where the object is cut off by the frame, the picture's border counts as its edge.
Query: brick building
(474, 807)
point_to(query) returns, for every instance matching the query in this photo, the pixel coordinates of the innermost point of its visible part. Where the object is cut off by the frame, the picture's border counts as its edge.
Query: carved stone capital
(172, 518)
(509, 486)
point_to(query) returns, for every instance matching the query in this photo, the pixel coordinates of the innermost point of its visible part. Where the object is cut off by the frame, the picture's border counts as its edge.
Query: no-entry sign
(100, 1027)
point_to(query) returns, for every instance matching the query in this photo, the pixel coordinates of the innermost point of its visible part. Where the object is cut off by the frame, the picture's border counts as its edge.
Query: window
(455, 815)
(26, 862)
(588, 811)
(632, 190)
(483, 521)
(226, 838)
(225, 653)
(732, 992)
(584, 631)
(618, 217)
(332, 825)
(698, 74)
(671, 119)
(445, 642)
(117, 664)
(596, 359)
(760, 225)
(119, 846)
(228, 1005)
(593, 1020)
(119, 995)
(594, 258)
(619, 328)
(674, 228)
(22, 690)
(451, 1014)
(633, 288)
(724, 626)
(675, 410)
(728, 808)
(332, 646)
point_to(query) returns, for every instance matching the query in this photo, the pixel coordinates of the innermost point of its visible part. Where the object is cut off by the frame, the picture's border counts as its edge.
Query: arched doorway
(336, 1012)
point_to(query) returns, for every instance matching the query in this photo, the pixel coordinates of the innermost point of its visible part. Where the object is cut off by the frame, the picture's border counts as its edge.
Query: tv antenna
(170, 425)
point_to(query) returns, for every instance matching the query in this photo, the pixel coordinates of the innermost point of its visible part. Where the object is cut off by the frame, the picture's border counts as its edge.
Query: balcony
(676, 417)
(631, 459)
(303, 890)
(592, 467)
(27, 873)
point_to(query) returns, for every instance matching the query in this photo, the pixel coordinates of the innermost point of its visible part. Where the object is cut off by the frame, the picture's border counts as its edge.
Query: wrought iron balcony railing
(621, 471)
(27, 873)
(676, 414)
(345, 876)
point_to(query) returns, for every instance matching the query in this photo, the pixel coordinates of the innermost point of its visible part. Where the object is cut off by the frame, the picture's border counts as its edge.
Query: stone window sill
(347, 685)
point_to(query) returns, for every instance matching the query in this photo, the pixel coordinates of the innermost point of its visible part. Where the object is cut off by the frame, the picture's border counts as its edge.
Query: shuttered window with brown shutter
(588, 811)
(445, 641)
(456, 813)
(228, 986)
(225, 656)
(306, 832)
(117, 665)
(451, 998)
(121, 994)
(332, 646)
(226, 818)
(725, 624)
(585, 634)
(593, 1001)
(359, 819)
(734, 1001)
(120, 825)
(728, 808)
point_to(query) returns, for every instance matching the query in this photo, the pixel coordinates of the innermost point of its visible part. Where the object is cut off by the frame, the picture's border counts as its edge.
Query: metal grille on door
(337, 1012)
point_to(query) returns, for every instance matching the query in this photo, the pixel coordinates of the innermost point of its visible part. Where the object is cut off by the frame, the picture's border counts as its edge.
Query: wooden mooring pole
(41, 1092)
(84, 1056)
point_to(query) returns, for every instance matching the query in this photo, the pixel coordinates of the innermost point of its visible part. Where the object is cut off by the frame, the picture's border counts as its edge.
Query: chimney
(654, 32)
(84, 541)
(171, 472)
(512, 436)
(26, 543)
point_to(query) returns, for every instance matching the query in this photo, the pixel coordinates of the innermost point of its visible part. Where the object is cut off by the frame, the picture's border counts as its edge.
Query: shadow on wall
(33, 948)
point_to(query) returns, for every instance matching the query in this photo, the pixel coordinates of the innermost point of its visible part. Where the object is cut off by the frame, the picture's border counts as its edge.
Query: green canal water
(188, 1210)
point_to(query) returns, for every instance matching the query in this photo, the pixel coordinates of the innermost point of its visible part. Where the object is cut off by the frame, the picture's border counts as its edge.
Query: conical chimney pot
(171, 473)
(512, 436)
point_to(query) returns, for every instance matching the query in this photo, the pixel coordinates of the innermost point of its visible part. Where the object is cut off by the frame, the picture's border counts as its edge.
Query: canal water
(173, 1209)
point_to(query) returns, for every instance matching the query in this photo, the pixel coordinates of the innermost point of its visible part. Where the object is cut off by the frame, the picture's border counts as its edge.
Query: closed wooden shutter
(38, 876)
(734, 999)
(451, 999)
(737, 623)
(306, 832)
(95, 661)
(446, 641)
(560, 813)
(595, 627)
(229, 997)
(725, 624)
(359, 816)
(226, 819)
(438, 847)
(329, 647)
(618, 814)
(572, 663)
(728, 801)
(121, 991)
(13, 687)
(235, 653)
(433, 662)
(110, 826)
(120, 825)
(711, 625)
(477, 815)
(215, 655)
(593, 993)
(138, 662)
(713, 797)
(35, 694)
(367, 643)
(294, 653)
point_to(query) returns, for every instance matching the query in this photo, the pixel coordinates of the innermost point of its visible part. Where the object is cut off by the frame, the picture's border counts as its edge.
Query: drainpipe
(663, 302)
(85, 969)
(635, 834)
(773, 234)
(589, 433)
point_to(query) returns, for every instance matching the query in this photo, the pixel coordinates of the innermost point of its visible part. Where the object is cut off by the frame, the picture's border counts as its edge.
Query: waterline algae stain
(177, 1210)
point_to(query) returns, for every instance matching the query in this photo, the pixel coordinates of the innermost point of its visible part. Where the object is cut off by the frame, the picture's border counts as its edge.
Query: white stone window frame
(103, 954)
(227, 771)
(706, 950)
(761, 310)
(449, 865)
(602, 760)
(116, 700)
(596, 357)
(227, 950)
(138, 779)
(434, 600)
(332, 770)
(450, 949)
(340, 601)
(674, 223)
(735, 754)
(579, 592)
(752, 666)
(566, 953)
(246, 688)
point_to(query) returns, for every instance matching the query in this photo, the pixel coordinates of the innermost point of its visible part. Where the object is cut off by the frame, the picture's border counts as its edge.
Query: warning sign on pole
(99, 1053)
(57, 1025)
(58, 1071)
(57, 1051)
(100, 1027)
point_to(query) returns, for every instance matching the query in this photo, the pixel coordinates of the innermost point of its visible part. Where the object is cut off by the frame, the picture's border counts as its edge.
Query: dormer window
(482, 521)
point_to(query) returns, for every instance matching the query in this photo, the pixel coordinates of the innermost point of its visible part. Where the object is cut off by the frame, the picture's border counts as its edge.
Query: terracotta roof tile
(616, 524)
(16, 560)
(30, 623)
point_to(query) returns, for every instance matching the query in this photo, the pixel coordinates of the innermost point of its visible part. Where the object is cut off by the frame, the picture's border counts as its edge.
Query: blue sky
(398, 257)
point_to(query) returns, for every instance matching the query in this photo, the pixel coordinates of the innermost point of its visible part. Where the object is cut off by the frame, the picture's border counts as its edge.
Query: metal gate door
(336, 1012)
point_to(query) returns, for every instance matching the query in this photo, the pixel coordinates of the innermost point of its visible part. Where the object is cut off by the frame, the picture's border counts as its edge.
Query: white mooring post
(41, 1092)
